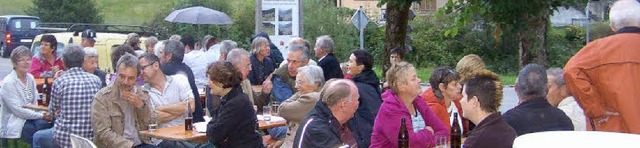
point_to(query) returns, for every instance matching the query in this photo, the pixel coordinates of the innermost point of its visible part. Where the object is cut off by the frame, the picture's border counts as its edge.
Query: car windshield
(23, 24)
(36, 48)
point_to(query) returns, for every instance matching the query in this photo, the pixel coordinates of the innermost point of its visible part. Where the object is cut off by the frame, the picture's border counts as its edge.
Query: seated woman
(443, 97)
(19, 89)
(235, 123)
(402, 101)
(47, 63)
(308, 82)
(261, 65)
(360, 67)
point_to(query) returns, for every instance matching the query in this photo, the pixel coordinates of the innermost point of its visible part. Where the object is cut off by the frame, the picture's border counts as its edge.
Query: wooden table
(176, 133)
(267, 125)
(256, 88)
(36, 107)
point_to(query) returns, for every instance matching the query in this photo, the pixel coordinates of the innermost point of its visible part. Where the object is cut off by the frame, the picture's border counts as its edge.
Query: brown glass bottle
(403, 135)
(46, 91)
(456, 133)
(188, 120)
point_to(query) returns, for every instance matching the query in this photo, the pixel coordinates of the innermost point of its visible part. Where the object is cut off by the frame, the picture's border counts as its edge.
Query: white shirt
(176, 90)
(213, 54)
(198, 62)
(570, 107)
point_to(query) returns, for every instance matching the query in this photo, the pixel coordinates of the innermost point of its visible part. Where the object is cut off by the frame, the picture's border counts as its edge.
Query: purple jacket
(387, 123)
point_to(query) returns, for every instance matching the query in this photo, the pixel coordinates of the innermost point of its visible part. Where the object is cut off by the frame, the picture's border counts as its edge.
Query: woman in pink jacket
(402, 101)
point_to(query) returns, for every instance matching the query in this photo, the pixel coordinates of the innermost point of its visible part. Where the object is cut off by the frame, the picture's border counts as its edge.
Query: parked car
(17, 30)
(106, 39)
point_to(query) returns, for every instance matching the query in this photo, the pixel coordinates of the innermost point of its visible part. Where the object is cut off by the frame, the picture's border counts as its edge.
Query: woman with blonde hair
(261, 65)
(470, 64)
(402, 101)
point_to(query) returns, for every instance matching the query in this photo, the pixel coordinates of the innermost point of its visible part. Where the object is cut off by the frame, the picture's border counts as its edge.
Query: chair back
(81, 142)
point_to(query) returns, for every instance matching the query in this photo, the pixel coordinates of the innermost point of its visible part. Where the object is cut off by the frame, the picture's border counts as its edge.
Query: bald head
(341, 96)
(624, 13)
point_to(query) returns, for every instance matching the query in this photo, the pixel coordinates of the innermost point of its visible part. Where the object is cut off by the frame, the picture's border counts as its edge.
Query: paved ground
(5, 67)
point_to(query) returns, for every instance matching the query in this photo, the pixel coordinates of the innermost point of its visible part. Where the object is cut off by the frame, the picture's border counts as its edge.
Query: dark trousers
(31, 127)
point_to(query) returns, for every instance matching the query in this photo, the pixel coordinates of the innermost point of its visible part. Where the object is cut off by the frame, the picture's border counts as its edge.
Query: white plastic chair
(81, 142)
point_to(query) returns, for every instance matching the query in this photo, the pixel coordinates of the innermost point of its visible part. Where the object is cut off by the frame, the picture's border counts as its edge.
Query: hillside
(133, 12)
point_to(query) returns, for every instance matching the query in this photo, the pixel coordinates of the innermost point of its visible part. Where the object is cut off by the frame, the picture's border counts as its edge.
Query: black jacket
(235, 123)
(319, 129)
(537, 115)
(172, 68)
(362, 122)
(330, 67)
(102, 75)
(492, 132)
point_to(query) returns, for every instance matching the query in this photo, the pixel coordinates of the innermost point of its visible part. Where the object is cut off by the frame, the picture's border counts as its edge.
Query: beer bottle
(46, 89)
(188, 120)
(403, 135)
(456, 133)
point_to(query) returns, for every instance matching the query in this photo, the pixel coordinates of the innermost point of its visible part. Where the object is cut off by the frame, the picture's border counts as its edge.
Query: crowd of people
(324, 103)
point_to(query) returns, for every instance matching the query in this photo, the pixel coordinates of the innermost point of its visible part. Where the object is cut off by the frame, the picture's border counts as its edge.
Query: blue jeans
(278, 132)
(31, 127)
(44, 139)
(144, 145)
(176, 144)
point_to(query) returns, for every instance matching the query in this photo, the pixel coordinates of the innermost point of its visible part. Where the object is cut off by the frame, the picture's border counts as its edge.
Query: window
(23, 24)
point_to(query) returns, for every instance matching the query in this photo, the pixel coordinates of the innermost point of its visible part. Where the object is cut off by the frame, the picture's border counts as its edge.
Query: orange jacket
(605, 76)
(438, 107)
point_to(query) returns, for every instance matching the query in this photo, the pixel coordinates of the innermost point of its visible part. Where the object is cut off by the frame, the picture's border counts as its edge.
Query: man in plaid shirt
(72, 94)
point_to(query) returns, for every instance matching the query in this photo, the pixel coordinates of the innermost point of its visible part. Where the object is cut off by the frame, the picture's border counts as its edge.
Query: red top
(440, 109)
(39, 65)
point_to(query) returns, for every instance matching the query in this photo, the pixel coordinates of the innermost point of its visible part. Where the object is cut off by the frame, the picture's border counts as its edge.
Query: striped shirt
(72, 95)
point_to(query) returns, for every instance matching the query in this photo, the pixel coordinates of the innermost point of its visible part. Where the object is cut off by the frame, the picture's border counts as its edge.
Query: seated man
(169, 95)
(534, 113)
(121, 109)
(322, 126)
(482, 94)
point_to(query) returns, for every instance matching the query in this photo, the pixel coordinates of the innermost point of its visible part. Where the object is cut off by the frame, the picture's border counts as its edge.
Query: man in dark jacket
(482, 94)
(534, 113)
(326, 60)
(171, 64)
(321, 127)
(360, 67)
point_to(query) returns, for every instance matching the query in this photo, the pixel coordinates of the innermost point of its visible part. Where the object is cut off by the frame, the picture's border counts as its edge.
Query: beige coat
(293, 110)
(107, 118)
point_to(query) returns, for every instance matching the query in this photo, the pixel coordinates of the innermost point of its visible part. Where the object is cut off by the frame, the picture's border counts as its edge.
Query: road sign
(360, 19)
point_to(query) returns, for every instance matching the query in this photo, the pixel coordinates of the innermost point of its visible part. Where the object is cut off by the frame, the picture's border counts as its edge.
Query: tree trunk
(396, 29)
(533, 39)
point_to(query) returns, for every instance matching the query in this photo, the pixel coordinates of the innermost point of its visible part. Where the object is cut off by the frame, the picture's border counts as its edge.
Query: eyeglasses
(145, 66)
(450, 71)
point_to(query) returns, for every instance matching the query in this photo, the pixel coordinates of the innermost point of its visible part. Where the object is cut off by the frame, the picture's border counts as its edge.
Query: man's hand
(267, 85)
(46, 116)
(132, 98)
(606, 116)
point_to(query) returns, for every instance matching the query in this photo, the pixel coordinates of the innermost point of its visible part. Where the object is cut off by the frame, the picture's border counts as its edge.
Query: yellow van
(105, 41)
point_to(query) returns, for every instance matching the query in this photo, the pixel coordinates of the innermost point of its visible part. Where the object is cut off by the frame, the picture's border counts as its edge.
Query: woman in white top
(19, 89)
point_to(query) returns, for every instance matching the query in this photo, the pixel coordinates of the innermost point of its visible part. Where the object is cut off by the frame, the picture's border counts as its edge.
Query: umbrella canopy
(198, 15)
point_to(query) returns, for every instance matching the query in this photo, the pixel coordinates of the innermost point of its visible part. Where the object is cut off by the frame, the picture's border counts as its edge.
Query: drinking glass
(442, 142)
(266, 113)
(153, 122)
(274, 108)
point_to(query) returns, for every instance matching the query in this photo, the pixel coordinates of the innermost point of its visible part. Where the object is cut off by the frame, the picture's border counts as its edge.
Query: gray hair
(226, 46)
(73, 56)
(624, 13)
(336, 91)
(176, 49)
(255, 44)
(159, 46)
(18, 52)
(90, 52)
(175, 37)
(313, 74)
(128, 60)
(151, 41)
(557, 74)
(235, 56)
(532, 82)
(326, 43)
(298, 47)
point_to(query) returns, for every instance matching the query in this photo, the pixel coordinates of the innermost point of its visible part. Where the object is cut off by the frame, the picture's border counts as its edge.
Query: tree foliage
(527, 19)
(397, 18)
(74, 11)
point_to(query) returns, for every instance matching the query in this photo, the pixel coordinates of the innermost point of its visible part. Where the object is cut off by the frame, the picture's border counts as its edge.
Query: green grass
(133, 12)
(14, 143)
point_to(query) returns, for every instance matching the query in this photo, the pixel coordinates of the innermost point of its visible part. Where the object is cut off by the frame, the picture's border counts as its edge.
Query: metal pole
(362, 38)
(361, 28)
(588, 21)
